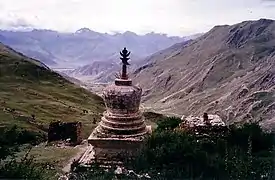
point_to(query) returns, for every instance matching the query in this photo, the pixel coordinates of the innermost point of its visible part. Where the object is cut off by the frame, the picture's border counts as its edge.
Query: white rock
(118, 170)
(182, 117)
(198, 121)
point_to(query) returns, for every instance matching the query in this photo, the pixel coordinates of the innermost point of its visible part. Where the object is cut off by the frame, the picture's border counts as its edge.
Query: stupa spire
(124, 57)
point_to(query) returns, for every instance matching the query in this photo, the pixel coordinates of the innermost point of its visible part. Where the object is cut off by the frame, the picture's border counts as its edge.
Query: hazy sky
(174, 17)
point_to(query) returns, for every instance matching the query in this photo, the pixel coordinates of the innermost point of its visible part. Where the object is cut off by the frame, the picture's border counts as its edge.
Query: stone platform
(112, 150)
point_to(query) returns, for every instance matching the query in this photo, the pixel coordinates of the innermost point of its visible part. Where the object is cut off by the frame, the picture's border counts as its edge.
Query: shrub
(242, 153)
(11, 138)
(26, 168)
(94, 172)
(168, 123)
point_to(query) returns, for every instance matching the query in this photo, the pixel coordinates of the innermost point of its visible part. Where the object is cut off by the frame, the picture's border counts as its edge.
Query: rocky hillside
(98, 71)
(105, 71)
(67, 50)
(229, 71)
(31, 95)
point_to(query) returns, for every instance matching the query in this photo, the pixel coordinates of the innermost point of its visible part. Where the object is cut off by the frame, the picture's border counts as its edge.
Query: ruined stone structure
(204, 126)
(65, 130)
(122, 128)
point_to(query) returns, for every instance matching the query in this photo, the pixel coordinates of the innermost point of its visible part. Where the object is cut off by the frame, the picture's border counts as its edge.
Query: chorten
(122, 128)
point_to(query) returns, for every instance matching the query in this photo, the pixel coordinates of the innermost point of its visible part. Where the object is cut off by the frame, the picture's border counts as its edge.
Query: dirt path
(81, 151)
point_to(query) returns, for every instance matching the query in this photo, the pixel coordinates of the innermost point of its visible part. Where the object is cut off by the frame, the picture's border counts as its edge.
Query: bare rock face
(230, 68)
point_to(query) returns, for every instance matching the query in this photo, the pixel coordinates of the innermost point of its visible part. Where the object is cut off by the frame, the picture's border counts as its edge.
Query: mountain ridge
(84, 46)
(105, 71)
(222, 72)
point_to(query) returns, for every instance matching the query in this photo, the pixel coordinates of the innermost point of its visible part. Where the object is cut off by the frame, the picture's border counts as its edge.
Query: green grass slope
(31, 95)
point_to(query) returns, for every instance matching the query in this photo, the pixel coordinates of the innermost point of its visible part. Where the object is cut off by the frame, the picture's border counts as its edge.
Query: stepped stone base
(122, 129)
(111, 150)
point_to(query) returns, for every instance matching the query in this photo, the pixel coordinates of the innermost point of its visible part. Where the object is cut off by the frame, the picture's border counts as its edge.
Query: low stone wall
(205, 125)
(65, 130)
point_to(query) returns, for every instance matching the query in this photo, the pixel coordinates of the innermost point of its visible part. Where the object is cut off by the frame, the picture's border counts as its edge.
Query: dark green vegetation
(32, 96)
(27, 168)
(244, 152)
(168, 123)
(151, 118)
(12, 138)
(241, 153)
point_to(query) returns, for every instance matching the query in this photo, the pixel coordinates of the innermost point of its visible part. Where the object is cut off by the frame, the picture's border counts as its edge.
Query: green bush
(11, 138)
(168, 123)
(94, 172)
(26, 168)
(244, 152)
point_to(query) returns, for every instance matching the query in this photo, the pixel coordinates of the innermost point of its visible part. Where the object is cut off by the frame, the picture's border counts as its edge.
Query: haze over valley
(203, 71)
(86, 52)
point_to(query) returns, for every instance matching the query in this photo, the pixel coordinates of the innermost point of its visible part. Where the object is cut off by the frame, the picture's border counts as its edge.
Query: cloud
(16, 24)
(19, 23)
(269, 3)
(174, 17)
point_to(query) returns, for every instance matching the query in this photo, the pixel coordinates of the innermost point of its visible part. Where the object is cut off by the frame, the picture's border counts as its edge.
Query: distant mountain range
(229, 71)
(105, 71)
(71, 50)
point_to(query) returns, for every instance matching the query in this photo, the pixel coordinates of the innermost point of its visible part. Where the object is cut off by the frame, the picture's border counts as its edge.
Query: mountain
(67, 50)
(97, 72)
(32, 95)
(28, 45)
(105, 71)
(229, 71)
(161, 55)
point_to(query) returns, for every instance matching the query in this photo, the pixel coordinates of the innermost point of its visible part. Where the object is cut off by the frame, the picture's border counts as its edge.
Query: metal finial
(124, 57)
